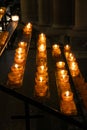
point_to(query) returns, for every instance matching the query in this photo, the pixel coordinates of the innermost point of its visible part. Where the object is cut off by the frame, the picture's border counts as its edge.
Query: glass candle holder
(41, 54)
(41, 61)
(63, 78)
(42, 69)
(20, 50)
(41, 80)
(19, 59)
(22, 45)
(67, 48)
(55, 47)
(16, 68)
(66, 54)
(71, 57)
(67, 96)
(14, 80)
(41, 48)
(60, 65)
(73, 65)
(62, 72)
(41, 91)
(14, 77)
(2, 11)
(64, 86)
(45, 75)
(56, 50)
(28, 28)
(42, 38)
(74, 68)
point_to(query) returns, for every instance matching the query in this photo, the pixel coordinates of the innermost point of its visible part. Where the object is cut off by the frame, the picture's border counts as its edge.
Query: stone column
(44, 12)
(29, 10)
(62, 13)
(80, 14)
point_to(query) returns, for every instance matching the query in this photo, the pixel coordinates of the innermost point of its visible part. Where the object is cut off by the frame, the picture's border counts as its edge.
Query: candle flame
(42, 67)
(29, 25)
(67, 93)
(16, 65)
(41, 79)
(42, 47)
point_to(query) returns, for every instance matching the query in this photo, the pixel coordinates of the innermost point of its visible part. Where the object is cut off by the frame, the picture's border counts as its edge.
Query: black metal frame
(30, 101)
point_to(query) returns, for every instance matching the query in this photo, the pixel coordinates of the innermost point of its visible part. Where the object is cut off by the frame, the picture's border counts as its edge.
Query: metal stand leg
(27, 115)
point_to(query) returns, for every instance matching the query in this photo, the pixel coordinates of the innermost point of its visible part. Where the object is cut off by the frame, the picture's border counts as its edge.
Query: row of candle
(41, 56)
(71, 60)
(62, 79)
(78, 79)
(27, 28)
(41, 78)
(65, 93)
(15, 76)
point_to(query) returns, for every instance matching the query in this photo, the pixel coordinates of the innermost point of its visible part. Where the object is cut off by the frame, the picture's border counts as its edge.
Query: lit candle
(42, 48)
(14, 77)
(67, 96)
(66, 54)
(41, 55)
(28, 28)
(41, 61)
(74, 68)
(55, 47)
(42, 69)
(63, 78)
(16, 68)
(56, 50)
(14, 80)
(71, 57)
(64, 86)
(41, 80)
(62, 72)
(60, 65)
(2, 11)
(73, 65)
(19, 59)
(22, 45)
(42, 38)
(20, 50)
(42, 35)
(67, 48)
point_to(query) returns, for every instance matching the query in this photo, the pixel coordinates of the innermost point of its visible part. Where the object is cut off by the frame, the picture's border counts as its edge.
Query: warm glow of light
(29, 25)
(15, 18)
(42, 47)
(62, 72)
(67, 93)
(22, 44)
(73, 65)
(67, 47)
(55, 46)
(16, 66)
(42, 37)
(41, 79)
(60, 64)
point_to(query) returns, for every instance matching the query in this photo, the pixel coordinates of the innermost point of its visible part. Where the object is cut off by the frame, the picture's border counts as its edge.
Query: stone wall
(56, 16)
